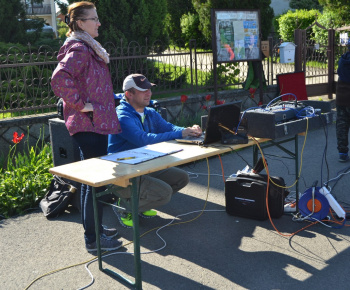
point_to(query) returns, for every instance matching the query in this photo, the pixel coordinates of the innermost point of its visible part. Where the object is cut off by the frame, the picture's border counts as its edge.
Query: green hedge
(300, 19)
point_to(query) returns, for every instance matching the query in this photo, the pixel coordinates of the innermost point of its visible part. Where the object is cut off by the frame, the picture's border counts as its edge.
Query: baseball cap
(137, 81)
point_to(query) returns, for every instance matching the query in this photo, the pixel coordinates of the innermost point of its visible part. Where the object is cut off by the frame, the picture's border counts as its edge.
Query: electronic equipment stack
(286, 119)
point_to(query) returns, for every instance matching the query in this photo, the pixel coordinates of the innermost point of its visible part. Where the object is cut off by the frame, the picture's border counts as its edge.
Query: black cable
(340, 177)
(274, 158)
(324, 157)
(236, 151)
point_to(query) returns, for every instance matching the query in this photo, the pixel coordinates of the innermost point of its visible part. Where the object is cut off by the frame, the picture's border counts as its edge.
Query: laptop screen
(227, 115)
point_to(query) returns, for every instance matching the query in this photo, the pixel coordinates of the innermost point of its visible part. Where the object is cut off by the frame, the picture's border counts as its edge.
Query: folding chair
(292, 83)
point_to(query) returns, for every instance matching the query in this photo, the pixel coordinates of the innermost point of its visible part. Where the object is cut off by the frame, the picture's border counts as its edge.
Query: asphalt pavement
(204, 248)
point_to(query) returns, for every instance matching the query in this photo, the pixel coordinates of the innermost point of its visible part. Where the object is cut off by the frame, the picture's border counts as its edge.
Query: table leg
(136, 232)
(136, 236)
(296, 146)
(97, 228)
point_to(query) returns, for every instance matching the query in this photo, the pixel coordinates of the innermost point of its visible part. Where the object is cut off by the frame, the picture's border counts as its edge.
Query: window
(33, 4)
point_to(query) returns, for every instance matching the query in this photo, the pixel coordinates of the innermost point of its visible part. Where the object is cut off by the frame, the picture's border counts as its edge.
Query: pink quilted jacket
(83, 77)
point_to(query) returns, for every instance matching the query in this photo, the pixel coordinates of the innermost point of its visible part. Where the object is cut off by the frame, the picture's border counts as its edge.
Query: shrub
(62, 29)
(329, 19)
(227, 74)
(25, 178)
(5, 47)
(300, 19)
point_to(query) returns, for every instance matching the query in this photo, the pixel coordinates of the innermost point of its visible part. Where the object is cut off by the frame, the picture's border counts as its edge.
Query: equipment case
(262, 124)
(245, 196)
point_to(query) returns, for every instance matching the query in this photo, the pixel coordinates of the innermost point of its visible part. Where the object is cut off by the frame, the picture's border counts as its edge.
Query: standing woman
(83, 80)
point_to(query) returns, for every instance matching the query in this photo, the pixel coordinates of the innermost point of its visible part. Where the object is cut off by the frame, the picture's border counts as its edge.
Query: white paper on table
(143, 154)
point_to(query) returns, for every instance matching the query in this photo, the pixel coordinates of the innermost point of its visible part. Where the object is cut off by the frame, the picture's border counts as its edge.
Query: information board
(236, 35)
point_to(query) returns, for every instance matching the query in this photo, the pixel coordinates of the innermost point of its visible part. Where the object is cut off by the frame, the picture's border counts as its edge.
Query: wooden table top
(99, 172)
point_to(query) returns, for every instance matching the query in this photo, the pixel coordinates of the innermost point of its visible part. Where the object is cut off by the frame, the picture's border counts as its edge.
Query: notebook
(219, 117)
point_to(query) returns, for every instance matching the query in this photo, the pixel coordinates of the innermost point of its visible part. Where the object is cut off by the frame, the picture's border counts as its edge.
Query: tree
(176, 10)
(203, 8)
(335, 14)
(63, 6)
(126, 20)
(11, 13)
(335, 5)
(189, 27)
(305, 4)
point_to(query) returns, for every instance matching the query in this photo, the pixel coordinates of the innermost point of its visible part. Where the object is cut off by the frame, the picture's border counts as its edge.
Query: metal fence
(25, 75)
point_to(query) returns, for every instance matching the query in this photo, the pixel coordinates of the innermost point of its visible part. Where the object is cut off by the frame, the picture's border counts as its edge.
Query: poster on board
(236, 35)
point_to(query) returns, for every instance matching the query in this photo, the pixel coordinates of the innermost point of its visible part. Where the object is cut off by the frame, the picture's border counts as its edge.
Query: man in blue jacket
(141, 126)
(343, 106)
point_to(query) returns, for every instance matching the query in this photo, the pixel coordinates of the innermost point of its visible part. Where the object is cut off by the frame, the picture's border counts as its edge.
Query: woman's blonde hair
(77, 11)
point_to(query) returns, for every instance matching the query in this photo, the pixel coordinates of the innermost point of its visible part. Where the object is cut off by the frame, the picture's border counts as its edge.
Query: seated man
(142, 125)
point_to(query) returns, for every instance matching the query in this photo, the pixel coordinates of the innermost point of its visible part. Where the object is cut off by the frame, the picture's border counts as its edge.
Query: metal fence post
(298, 50)
(330, 56)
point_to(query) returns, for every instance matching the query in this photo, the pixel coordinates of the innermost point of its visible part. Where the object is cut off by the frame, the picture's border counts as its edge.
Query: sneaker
(110, 233)
(125, 219)
(106, 244)
(148, 213)
(343, 157)
(120, 203)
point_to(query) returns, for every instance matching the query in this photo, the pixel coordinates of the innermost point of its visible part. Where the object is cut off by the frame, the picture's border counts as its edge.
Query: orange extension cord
(267, 194)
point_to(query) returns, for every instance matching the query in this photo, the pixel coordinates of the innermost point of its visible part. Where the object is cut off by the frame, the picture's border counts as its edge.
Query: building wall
(47, 12)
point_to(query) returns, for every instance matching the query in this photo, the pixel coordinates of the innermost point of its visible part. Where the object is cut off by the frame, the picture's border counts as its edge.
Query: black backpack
(57, 198)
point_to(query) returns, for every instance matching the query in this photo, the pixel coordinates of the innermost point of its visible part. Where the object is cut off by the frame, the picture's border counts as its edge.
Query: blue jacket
(136, 134)
(344, 67)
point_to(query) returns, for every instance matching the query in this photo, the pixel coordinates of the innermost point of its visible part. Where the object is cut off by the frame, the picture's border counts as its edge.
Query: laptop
(221, 119)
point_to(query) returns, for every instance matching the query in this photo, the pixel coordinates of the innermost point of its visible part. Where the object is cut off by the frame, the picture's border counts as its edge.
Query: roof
(285, 44)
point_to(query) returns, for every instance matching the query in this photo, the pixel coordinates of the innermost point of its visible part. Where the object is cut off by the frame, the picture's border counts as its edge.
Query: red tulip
(16, 139)
(204, 107)
(220, 102)
(260, 103)
(252, 92)
(207, 97)
(183, 98)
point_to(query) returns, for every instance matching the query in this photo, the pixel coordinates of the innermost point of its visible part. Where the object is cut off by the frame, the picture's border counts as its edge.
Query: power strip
(333, 203)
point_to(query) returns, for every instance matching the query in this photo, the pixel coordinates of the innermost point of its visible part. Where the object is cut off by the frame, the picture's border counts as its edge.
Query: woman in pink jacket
(83, 80)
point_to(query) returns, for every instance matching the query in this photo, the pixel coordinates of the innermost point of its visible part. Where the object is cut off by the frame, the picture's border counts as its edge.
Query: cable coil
(321, 205)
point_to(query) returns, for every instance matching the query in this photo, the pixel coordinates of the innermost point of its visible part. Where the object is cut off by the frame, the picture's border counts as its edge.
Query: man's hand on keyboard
(194, 131)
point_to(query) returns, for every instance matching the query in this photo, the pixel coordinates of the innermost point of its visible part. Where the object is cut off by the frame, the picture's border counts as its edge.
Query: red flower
(204, 107)
(260, 103)
(183, 98)
(207, 97)
(220, 102)
(252, 92)
(17, 139)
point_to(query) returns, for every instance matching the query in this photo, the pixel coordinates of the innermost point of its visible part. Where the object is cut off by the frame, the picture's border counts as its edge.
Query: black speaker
(64, 151)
